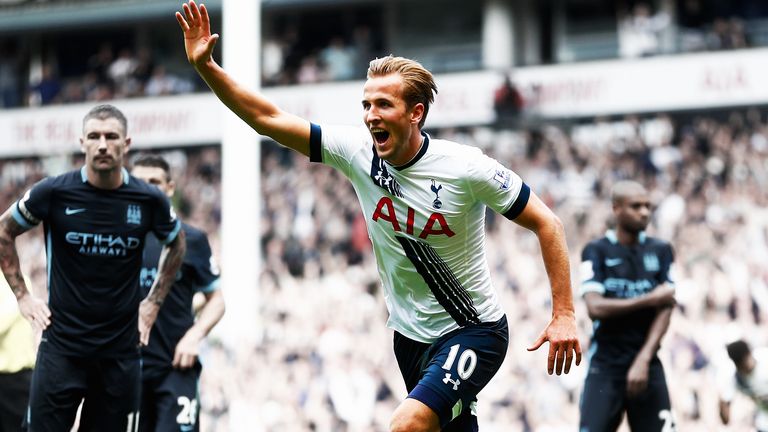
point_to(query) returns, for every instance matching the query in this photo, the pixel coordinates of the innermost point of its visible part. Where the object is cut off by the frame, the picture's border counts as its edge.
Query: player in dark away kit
(95, 220)
(170, 368)
(630, 298)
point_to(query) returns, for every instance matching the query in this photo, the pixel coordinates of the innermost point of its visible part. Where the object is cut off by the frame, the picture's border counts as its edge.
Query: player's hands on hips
(148, 311)
(35, 311)
(563, 343)
(637, 378)
(198, 40)
(187, 350)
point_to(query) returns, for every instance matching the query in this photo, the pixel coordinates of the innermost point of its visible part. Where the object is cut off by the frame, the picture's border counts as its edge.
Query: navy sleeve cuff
(315, 150)
(518, 206)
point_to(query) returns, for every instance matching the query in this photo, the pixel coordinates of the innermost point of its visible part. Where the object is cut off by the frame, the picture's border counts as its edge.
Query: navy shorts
(14, 398)
(109, 389)
(170, 401)
(448, 374)
(604, 401)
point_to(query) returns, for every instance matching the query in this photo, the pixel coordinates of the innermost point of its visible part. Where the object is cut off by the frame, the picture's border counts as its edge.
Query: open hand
(563, 343)
(198, 40)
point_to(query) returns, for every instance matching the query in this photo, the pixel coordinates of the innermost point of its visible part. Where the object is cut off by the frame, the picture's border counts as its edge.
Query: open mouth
(380, 135)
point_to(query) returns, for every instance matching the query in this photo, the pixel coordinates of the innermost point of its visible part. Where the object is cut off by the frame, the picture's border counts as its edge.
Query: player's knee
(412, 416)
(402, 423)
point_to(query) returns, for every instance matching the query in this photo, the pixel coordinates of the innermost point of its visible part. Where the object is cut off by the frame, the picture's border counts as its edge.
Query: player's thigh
(14, 398)
(58, 385)
(113, 398)
(148, 406)
(651, 411)
(177, 405)
(460, 365)
(414, 416)
(602, 403)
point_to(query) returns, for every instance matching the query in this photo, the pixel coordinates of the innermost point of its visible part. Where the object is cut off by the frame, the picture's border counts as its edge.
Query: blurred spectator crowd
(110, 74)
(323, 357)
(643, 32)
(298, 52)
(324, 362)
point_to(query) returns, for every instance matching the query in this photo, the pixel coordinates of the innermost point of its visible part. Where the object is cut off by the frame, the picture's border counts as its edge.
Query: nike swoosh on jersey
(612, 262)
(70, 211)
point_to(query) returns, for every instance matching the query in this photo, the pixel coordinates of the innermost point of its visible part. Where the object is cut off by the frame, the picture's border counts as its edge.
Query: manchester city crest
(133, 214)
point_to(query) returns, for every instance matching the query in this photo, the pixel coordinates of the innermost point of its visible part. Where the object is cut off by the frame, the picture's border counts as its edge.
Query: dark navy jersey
(198, 273)
(94, 240)
(617, 271)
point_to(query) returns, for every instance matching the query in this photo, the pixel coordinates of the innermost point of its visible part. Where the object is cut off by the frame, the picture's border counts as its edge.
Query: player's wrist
(195, 333)
(564, 312)
(21, 294)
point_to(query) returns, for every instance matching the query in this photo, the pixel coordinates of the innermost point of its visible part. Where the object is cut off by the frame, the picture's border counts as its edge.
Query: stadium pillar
(498, 35)
(240, 188)
(527, 32)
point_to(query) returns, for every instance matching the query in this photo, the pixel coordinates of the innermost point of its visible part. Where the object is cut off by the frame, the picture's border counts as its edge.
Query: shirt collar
(613, 238)
(123, 172)
(422, 151)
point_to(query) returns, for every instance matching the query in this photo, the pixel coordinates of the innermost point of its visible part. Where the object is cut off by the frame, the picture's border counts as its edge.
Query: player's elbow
(594, 309)
(551, 228)
(595, 312)
(179, 244)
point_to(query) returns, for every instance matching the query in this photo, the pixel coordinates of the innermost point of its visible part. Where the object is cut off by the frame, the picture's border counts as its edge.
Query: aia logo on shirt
(436, 224)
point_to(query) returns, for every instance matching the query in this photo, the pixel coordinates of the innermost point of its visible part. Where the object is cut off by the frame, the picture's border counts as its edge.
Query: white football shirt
(426, 221)
(754, 385)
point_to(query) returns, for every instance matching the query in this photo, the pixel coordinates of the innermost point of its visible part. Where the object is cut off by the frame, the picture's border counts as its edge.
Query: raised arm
(253, 108)
(561, 330)
(35, 310)
(170, 261)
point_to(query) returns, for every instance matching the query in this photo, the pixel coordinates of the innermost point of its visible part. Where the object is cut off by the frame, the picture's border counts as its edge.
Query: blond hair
(418, 84)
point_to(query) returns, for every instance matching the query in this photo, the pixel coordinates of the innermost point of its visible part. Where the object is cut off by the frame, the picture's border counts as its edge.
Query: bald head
(626, 189)
(631, 208)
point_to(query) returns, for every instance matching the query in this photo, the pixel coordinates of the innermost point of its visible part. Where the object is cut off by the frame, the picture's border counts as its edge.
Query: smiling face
(104, 144)
(393, 125)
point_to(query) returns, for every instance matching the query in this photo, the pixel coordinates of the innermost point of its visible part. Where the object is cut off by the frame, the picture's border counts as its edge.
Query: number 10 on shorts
(467, 361)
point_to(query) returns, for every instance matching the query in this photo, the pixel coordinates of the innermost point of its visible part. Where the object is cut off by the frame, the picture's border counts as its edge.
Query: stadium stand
(324, 362)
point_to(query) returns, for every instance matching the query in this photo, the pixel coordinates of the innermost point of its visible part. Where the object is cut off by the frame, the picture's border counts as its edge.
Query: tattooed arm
(35, 310)
(170, 262)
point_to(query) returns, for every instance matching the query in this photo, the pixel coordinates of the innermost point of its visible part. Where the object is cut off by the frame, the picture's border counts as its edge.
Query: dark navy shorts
(170, 402)
(109, 389)
(448, 374)
(604, 401)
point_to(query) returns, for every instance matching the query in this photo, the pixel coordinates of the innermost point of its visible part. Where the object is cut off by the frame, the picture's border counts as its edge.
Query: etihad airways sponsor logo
(102, 244)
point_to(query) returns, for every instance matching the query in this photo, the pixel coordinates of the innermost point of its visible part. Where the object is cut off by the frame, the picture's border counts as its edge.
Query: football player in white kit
(749, 376)
(424, 203)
